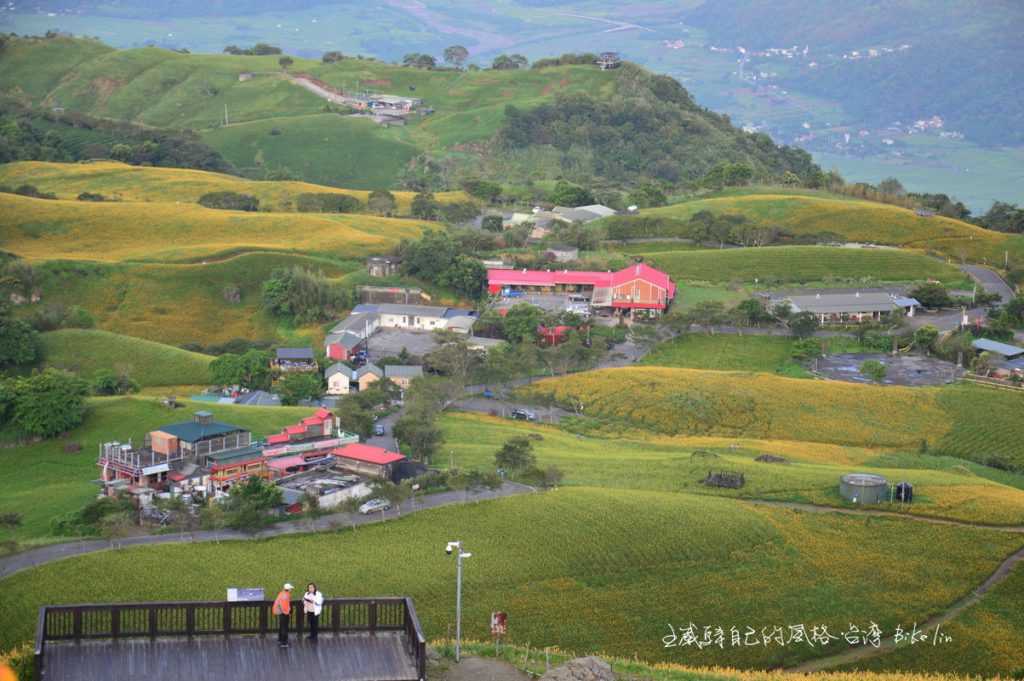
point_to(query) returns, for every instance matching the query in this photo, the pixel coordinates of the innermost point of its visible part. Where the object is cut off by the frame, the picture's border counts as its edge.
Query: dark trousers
(282, 629)
(314, 624)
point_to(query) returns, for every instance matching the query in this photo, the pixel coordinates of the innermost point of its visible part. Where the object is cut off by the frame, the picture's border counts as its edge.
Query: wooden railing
(222, 618)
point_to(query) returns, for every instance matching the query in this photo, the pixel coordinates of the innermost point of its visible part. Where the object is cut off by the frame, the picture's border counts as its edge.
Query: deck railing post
(152, 621)
(226, 620)
(76, 623)
(190, 620)
(371, 616)
(336, 617)
(264, 619)
(115, 622)
(300, 620)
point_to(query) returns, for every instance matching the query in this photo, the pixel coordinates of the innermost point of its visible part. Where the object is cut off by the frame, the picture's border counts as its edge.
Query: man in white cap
(283, 610)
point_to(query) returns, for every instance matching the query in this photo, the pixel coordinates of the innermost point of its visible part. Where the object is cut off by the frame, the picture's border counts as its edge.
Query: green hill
(614, 128)
(832, 218)
(85, 351)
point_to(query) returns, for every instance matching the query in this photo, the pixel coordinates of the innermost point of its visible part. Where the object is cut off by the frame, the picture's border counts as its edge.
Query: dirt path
(482, 669)
(862, 653)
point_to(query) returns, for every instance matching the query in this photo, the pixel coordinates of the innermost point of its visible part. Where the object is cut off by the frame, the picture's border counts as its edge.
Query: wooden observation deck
(360, 639)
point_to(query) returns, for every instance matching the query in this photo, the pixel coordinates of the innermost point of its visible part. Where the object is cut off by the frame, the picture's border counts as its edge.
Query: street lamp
(456, 547)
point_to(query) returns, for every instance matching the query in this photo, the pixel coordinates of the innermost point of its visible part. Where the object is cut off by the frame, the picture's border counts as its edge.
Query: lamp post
(456, 548)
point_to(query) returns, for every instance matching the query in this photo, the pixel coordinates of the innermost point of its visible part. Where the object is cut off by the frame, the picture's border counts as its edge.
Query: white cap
(288, 587)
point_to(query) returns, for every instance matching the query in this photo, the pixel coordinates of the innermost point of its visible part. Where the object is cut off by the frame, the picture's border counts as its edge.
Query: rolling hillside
(801, 264)
(84, 351)
(39, 229)
(958, 420)
(480, 121)
(857, 221)
(139, 183)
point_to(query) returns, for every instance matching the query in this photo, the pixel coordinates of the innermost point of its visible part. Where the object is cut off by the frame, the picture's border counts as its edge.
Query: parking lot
(549, 302)
(900, 370)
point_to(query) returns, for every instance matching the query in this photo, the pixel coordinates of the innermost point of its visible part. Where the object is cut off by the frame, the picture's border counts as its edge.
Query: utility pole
(226, 121)
(456, 547)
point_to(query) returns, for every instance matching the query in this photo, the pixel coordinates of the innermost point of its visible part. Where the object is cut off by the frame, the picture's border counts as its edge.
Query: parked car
(523, 415)
(375, 506)
(378, 429)
(488, 393)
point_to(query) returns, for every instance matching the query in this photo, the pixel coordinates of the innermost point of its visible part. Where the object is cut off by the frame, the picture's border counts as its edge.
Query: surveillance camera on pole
(456, 548)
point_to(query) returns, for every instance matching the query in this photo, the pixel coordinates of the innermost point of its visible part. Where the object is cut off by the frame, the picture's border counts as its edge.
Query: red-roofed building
(637, 287)
(367, 460)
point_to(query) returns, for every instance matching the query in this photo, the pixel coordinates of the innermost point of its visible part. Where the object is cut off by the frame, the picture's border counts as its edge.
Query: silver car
(375, 506)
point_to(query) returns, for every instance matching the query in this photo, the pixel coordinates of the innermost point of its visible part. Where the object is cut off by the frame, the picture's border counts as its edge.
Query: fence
(224, 618)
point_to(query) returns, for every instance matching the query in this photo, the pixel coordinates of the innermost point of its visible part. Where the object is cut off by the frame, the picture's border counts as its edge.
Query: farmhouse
(293, 359)
(329, 488)
(849, 307)
(1010, 358)
(338, 377)
(368, 374)
(402, 375)
(367, 460)
(637, 287)
(349, 336)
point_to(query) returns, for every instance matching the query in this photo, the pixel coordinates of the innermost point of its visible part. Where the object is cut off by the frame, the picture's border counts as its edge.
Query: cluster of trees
(19, 341)
(418, 60)
(382, 202)
(29, 190)
(43, 404)
(583, 58)
(250, 369)
(303, 295)
(729, 175)
(517, 459)
(507, 62)
(259, 49)
(426, 207)
(571, 195)
(34, 135)
(332, 57)
(651, 132)
(439, 258)
(230, 201)
(1003, 217)
(711, 313)
(327, 203)
(108, 382)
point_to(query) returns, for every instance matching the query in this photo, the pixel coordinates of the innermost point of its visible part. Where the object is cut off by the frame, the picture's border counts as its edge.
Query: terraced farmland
(540, 557)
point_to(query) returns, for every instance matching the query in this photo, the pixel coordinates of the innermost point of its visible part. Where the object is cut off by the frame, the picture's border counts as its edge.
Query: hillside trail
(861, 653)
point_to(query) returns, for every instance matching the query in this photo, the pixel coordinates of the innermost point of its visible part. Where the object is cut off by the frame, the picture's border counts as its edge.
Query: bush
(106, 382)
(327, 203)
(90, 196)
(89, 519)
(303, 295)
(874, 370)
(45, 404)
(229, 201)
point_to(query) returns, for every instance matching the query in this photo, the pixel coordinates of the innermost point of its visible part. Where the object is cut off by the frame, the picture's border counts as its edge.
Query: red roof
(368, 454)
(313, 421)
(277, 439)
(286, 462)
(176, 476)
(598, 279)
(295, 429)
(323, 414)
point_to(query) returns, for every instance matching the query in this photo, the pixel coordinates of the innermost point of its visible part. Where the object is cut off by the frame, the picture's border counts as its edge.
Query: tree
(249, 370)
(925, 337)
(482, 189)
(803, 324)
(456, 55)
(19, 342)
(425, 207)
(493, 223)
(783, 311)
(806, 349)
(327, 203)
(249, 502)
(459, 212)
(303, 295)
(332, 57)
(874, 370)
(521, 323)
(566, 194)
(285, 62)
(1003, 217)
(382, 202)
(312, 508)
(509, 62)
(892, 187)
(419, 61)
(48, 403)
(648, 195)
(932, 295)
(452, 356)
(297, 386)
(418, 432)
(752, 312)
(229, 201)
(465, 275)
(260, 49)
(106, 382)
(707, 314)
(354, 418)
(516, 454)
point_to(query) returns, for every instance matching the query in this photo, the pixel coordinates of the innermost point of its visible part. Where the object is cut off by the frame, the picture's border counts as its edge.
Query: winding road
(54, 552)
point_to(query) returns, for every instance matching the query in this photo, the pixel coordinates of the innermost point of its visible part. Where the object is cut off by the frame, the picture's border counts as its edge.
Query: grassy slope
(540, 557)
(951, 490)
(40, 229)
(801, 264)
(771, 354)
(861, 221)
(183, 303)
(137, 183)
(44, 482)
(969, 421)
(151, 364)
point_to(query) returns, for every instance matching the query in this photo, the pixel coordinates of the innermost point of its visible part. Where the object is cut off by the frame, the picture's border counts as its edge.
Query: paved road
(48, 554)
(989, 280)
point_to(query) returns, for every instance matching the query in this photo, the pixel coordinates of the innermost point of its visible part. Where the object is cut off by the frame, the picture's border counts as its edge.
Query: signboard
(159, 468)
(245, 594)
(499, 623)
